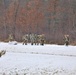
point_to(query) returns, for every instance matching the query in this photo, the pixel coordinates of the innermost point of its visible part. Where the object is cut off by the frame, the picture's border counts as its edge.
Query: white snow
(37, 60)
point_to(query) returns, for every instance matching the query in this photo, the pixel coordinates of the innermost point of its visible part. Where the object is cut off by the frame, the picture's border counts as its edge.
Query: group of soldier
(37, 39)
(31, 38)
(34, 39)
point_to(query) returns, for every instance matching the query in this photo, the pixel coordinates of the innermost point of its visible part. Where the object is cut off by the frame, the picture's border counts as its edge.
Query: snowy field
(37, 60)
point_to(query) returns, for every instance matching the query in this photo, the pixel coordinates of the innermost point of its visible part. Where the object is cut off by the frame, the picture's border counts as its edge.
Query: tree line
(54, 18)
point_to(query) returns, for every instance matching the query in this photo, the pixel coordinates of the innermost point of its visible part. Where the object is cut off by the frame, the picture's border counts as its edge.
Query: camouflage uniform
(42, 40)
(25, 39)
(32, 39)
(10, 37)
(2, 52)
(66, 40)
(36, 39)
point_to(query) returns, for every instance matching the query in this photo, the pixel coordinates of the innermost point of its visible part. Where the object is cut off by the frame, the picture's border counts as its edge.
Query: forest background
(54, 18)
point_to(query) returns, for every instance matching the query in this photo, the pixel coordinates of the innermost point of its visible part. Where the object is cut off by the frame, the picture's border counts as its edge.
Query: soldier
(10, 37)
(32, 39)
(66, 40)
(42, 40)
(36, 39)
(2, 52)
(25, 39)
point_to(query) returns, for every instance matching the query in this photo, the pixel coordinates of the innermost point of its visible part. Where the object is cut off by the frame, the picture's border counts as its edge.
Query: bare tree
(16, 8)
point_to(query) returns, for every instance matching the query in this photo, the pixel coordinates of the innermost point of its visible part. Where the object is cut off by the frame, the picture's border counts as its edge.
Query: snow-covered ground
(37, 60)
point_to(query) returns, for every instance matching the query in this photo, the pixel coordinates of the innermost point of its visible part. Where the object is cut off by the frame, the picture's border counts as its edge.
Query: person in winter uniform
(36, 38)
(10, 38)
(66, 40)
(32, 39)
(2, 52)
(42, 39)
(25, 39)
